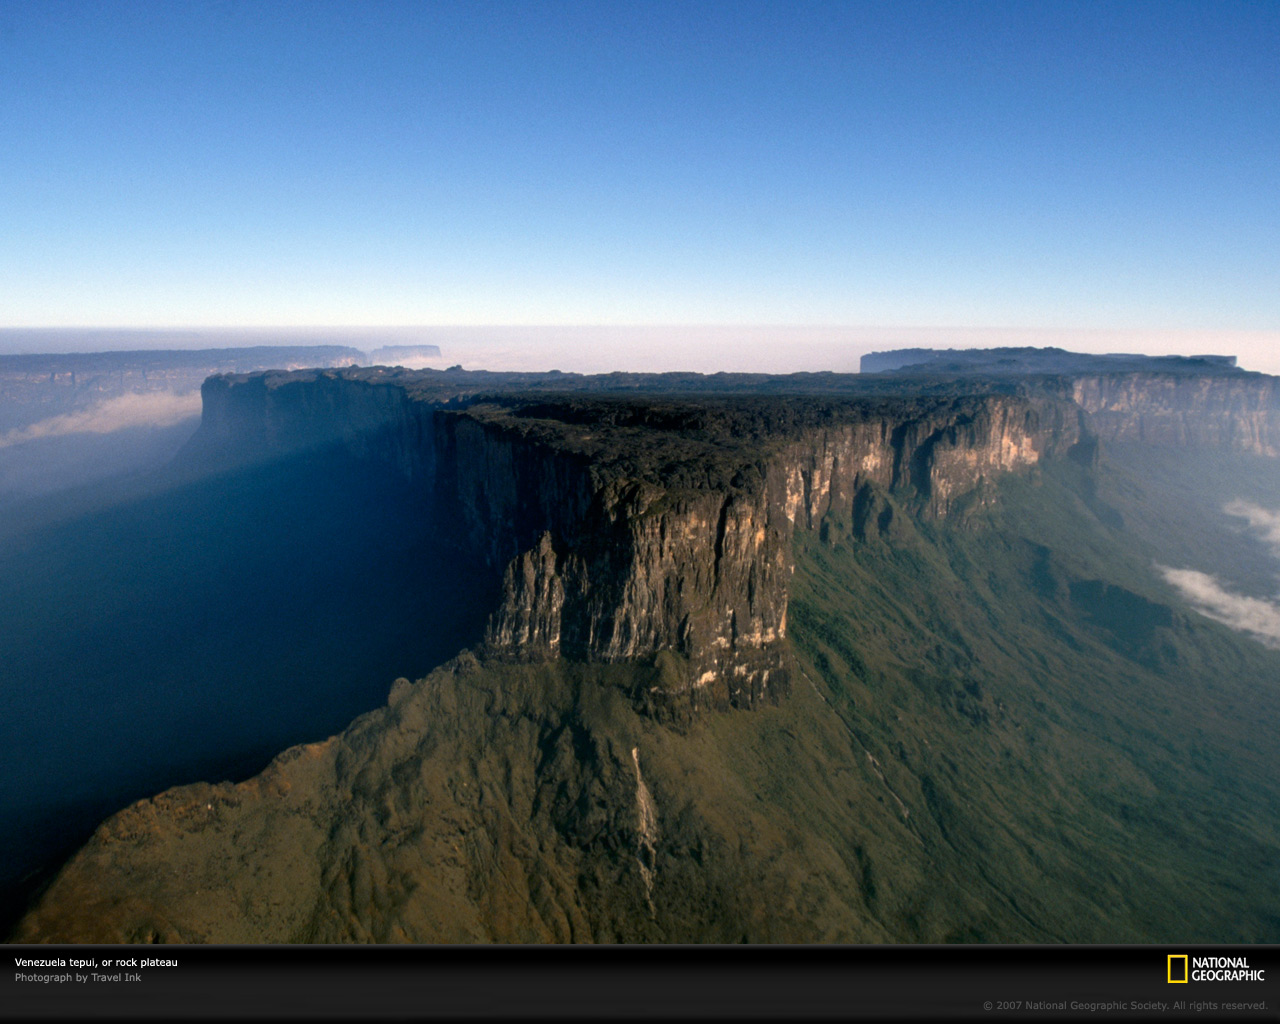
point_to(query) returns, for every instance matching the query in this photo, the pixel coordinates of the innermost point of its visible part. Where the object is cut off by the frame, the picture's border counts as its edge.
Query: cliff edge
(641, 750)
(622, 525)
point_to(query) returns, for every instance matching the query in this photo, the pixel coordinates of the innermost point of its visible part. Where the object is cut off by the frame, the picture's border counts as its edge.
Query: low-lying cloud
(1252, 615)
(1258, 617)
(153, 408)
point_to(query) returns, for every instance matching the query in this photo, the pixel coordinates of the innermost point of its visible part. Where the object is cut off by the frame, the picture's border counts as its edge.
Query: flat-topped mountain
(1005, 361)
(38, 386)
(800, 658)
(398, 355)
(625, 524)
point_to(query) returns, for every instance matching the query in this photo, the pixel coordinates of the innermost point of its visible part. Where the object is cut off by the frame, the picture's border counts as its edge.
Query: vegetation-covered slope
(1080, 757)
(1004, 728)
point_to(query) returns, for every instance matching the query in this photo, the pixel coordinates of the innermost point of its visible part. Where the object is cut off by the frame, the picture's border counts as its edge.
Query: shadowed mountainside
(886, 665)
(196, 625)
(971, 752)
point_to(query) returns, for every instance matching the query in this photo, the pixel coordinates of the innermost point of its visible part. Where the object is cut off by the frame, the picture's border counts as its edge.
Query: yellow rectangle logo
(1182, 957)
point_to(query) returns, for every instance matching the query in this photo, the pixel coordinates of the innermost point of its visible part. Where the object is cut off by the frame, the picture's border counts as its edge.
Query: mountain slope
(1003, 727)
(1067, 736)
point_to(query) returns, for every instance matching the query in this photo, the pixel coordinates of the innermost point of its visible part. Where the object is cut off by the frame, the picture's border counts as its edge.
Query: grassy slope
(981, 745)
(1080, 763)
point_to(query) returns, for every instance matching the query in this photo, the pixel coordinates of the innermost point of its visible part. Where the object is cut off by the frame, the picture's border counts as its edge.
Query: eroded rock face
(532, 603)
(939, 457)
(1240, 413)
(704, 575)
(618, 531)
(641, 567)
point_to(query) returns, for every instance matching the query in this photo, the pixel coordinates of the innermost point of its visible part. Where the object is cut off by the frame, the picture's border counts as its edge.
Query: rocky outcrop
(1240, 412)
(622, 528)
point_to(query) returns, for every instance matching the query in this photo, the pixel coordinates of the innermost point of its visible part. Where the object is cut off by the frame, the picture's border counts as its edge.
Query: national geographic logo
(1184, 968)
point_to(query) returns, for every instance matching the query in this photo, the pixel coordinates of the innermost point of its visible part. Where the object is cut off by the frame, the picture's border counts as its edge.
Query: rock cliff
(621, 526)
(682, 546)
(1203, 401)
(1240, 412)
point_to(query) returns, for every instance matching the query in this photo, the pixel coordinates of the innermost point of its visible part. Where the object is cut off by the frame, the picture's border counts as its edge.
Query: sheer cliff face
(608, 556)
(1236, 412)
(704, 575)
(637, 567)
(257, 416)
(941, 457)
(597, 565)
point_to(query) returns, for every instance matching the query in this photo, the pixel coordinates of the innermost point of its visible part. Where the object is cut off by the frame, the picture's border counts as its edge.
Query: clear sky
(960, 164)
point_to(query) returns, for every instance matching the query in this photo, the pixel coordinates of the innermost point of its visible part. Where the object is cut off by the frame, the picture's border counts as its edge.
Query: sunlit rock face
(620, 528)
(938, 455)
(1236, 412)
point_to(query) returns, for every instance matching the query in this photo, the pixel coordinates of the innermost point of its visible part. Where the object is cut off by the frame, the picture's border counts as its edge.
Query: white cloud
(1252, 615)
(155, 408)
(1258, 617)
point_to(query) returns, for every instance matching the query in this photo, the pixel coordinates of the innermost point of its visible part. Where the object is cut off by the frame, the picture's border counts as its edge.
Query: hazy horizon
(702, 348)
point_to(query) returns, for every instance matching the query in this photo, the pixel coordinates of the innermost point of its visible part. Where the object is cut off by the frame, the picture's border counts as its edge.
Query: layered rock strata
(622, 527)
(1237, 412)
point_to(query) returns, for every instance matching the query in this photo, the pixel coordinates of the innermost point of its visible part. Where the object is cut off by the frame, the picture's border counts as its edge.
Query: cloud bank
(155, 409)
(1255, 616)
(1258, 618)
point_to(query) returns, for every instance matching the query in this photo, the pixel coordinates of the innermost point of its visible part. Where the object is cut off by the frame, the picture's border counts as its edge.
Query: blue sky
(1034, 165)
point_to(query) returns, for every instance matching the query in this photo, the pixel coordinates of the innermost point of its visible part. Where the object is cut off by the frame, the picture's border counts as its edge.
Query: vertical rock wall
(637, 568)
(599, 565)
(1237, 412)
